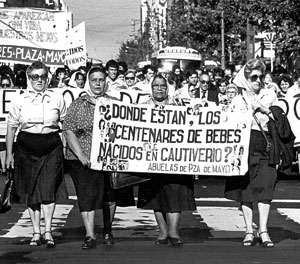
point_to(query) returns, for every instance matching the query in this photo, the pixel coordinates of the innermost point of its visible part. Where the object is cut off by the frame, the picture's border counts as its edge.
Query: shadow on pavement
(15, 257)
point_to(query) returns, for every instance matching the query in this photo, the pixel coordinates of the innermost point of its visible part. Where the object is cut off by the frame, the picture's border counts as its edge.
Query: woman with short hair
(38, 158)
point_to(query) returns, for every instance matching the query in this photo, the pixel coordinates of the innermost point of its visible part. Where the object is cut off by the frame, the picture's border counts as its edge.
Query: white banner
(76, 47)
(170, 139)
(8, 95)
(28, 35)
(291, 106)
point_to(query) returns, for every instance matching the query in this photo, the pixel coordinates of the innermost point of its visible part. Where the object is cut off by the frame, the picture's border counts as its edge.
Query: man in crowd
(206, 93)
(112, 80)
(148, 73)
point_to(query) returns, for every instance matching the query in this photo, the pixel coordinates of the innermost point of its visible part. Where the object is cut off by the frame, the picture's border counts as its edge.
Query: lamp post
(222, 41)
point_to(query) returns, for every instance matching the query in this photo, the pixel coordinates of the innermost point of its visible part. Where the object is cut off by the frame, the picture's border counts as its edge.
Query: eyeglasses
(164, 87)
(204, 82)
(231, 92)
(130, 78)
(36, 77)
(193, 90)
(97, 80)
(6, 85)
(255, 77)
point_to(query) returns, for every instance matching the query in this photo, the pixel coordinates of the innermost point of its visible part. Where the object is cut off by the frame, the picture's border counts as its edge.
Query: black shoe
(175, 241)
(108, 239)
(249, 242)
(36, 242)
(88, 243)
(265, 243)
(163, 241)
(49, 242)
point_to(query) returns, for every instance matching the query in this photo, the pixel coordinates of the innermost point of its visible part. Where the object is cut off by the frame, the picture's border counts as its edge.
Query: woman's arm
(74, 145)
(10, 136)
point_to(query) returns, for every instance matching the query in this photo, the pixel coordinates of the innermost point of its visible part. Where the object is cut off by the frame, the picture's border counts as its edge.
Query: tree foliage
(136, 49)
(197, 24)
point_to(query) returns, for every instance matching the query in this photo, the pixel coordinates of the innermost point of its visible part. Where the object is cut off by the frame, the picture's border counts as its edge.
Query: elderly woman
(257, 186)
(38, 157)
(78, 129)
(231, 92)
(77, 80)
(92, 187)
(168, 195)
(130, 79)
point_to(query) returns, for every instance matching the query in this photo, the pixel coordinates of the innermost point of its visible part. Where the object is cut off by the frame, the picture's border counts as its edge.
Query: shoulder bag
(7, 193)
(120, 179)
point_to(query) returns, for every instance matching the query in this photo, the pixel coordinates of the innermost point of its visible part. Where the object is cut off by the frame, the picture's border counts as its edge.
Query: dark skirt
(2, 146)
(259, 182)
(89, 185)
(122, 197)
(38, 172)
(167, 193)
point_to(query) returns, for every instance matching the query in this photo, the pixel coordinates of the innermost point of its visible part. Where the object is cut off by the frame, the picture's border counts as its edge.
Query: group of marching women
(39, 114)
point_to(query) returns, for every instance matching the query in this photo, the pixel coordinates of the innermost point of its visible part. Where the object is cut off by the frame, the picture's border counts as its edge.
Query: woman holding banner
(168, 195)
(92, 187)
(259, 182)
(38, 158)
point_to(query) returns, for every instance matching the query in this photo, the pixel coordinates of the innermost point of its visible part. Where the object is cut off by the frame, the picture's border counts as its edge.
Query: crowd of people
(38, 157)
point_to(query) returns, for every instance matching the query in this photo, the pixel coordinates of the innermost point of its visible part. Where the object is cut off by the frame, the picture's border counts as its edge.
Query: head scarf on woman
(72, 81)
(87, 87)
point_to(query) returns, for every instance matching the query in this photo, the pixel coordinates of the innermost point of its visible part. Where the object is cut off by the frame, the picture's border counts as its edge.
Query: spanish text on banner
(76, 47)
(170, 139)
(27, 35)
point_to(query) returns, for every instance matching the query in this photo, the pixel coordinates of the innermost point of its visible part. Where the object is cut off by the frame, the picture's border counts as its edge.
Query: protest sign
(28, 35)
(76, 47)
(7, 96)
(170, 139)
(291, 106)
(129, 96)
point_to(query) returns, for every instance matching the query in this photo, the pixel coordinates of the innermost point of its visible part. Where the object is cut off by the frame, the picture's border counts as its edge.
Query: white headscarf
(72, 81)
(87, 87)
(241, 81)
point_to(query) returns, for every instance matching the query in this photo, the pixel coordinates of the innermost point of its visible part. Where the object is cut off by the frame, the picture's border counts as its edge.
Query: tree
(199, 24)
(137, 49)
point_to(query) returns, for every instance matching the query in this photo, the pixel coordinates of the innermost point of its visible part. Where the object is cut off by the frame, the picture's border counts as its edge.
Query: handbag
(7, 193)
(120, 179)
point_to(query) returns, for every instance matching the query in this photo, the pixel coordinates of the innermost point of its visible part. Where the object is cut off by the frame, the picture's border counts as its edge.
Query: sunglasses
(36, 77)
(5, 85)
(204, 82)
(130, 78)
(255, 77)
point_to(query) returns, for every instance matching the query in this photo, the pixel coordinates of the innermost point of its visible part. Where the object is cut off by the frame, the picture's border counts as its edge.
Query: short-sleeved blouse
(51, 108)
(79, 119)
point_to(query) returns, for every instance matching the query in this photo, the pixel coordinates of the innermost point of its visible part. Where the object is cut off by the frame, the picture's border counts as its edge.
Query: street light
(222, 41)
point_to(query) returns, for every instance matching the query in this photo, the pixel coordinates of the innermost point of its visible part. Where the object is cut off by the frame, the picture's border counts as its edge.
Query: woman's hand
(258, 107)
(84, 160)
(9, 162)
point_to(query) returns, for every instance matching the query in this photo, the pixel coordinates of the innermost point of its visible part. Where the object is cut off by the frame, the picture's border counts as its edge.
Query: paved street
(212, 234)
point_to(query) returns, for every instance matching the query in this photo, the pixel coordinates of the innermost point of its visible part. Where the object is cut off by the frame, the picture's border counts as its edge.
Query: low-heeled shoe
(89, 243)
(175, 241)
(163, 241)
(108, 239)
